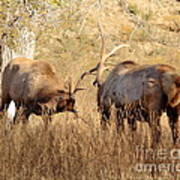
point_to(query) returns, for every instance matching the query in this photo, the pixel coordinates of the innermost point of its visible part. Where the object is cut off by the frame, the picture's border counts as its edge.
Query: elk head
(171, 87)
(66, 100)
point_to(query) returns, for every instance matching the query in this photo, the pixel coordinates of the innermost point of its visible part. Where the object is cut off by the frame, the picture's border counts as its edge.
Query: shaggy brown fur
(35, 85)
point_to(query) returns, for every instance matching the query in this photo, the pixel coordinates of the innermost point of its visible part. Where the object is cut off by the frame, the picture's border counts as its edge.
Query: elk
(143, 93)
(35, 85)
(138, 92)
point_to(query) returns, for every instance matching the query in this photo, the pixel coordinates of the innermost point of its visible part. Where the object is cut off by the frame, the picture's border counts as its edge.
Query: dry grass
(78, 149)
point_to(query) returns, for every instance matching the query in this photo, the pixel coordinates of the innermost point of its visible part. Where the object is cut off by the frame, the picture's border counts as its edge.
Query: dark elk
(142, 93)
(138, 92)
(35, 86)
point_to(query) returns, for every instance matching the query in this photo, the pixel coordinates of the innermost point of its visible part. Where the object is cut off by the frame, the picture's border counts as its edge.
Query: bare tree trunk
(26, 48)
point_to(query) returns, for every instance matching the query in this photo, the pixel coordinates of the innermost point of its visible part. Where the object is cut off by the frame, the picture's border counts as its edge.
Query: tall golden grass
(73, 148)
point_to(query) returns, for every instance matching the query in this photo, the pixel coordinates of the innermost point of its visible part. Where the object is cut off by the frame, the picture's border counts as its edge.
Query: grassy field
(79, 149)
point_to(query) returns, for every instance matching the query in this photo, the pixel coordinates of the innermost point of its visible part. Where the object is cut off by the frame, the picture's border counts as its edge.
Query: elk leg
(174, 130)
(173, 123)
(5, 102)
(21, 115)
(132, 123)
(105, 117)
(154, 123)
(119, 121)
(46, 116)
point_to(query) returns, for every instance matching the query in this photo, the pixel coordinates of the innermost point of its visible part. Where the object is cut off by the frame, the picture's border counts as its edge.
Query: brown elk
(35, 85)
(139, 92)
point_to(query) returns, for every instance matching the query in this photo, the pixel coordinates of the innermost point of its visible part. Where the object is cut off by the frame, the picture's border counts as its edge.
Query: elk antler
(77, 88)
(104, 56)
(100, 67)
(70, 85)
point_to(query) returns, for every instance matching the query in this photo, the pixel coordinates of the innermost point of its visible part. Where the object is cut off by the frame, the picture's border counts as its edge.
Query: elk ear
(170, 86)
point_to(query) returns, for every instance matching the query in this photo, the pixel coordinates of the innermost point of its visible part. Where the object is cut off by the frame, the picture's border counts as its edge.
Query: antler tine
(115, 49)
(90, 71)
(77, 86)
(70, 85)
(102, 55)
(102, 52)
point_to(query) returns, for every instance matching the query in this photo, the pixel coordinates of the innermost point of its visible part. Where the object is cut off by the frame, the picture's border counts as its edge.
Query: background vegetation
(66, 35)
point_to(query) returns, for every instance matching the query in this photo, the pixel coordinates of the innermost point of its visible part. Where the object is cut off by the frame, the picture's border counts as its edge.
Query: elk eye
(151, 82)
